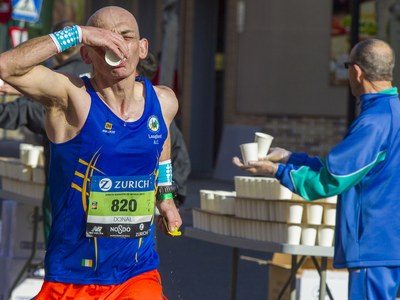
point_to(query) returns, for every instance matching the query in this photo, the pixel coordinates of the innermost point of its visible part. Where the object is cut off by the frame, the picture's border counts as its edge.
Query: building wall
(309, 116)
(282, 57)
(277, 75)
(314, 135)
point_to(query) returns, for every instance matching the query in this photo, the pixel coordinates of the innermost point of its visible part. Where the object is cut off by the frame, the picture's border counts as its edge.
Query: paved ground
(194, 270)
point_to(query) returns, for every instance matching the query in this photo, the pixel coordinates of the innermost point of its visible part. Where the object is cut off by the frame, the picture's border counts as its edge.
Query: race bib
(120, 206)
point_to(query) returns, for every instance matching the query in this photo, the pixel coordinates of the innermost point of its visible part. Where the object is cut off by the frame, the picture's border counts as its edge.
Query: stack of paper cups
(309, 235)
(325, 236)
(295, 214)
(314, 214)
(294, 234)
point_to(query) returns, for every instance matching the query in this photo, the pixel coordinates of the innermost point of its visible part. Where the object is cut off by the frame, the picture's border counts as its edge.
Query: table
(36, 203)
(20, 198)
(270, 247)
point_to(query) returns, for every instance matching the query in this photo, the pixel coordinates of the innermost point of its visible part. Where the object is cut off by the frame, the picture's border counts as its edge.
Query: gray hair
(148, 66)
(375, 58)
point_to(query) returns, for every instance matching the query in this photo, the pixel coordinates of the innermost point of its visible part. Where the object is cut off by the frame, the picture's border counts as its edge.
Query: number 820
(123, 205)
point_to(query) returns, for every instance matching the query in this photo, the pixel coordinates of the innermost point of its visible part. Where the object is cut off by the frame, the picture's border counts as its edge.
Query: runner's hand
(170, 213)
(105, 39)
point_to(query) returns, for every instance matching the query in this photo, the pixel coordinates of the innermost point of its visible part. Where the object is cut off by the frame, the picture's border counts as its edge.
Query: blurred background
(237, 66)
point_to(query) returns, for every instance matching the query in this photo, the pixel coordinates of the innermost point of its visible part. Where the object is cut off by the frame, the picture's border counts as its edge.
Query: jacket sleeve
(22, 112)
(347, 164)
(302, 159)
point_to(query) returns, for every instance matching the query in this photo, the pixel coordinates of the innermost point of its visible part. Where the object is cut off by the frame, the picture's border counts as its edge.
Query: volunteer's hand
(278, 155)
(260, 167)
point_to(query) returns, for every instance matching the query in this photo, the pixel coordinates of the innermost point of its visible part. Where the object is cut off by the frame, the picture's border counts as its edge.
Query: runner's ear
(143, 48)
(85, 55)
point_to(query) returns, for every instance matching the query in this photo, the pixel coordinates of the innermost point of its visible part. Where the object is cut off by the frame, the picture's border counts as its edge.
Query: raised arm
(64, 96)
(20, 67)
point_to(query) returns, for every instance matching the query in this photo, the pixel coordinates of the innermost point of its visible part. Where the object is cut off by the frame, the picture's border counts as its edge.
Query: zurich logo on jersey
(105, 184)
(153, 124)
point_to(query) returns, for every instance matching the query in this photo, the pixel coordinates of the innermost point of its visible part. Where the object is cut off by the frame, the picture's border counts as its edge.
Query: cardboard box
(28, 289)
(337, 282)
(307, 280)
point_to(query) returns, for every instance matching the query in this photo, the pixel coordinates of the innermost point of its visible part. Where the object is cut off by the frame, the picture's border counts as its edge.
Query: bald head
(110, 17)
(375, 58)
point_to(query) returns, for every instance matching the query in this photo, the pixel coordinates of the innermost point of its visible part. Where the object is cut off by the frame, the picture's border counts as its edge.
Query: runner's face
(121, 22)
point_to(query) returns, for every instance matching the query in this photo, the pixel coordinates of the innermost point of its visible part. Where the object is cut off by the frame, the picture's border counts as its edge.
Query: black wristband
(166, 189)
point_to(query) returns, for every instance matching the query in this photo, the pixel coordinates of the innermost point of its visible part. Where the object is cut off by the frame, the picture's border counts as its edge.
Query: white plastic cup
(325, 236)
(33, 157)
(314, 214)
(41, 161)
(330, 215)
(249, 152)
(294, 234)
(111, 58)
(284, 193)
(205, 195)
(24, 151)
(309, 235)
(259, 188)
(332, 199)
(263, 141)
(295, 213)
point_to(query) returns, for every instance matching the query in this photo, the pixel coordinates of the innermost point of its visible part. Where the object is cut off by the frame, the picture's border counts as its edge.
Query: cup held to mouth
(111, 58)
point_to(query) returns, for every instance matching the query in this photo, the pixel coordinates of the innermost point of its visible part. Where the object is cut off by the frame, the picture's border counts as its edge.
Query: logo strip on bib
(120, 206)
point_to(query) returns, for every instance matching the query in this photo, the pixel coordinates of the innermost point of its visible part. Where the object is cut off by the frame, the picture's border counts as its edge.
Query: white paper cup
(205, 197)
(249, 152)
(294, 234)
(284, 193)
(41, 161)
(330, 215)
(309, 235)
(246, 187)
(314, 214)
(252, 187)
(332, 199)
(325, 236)
(24, 152)
(264, 143)
(111, 58)
(295, 213)
(33, 157)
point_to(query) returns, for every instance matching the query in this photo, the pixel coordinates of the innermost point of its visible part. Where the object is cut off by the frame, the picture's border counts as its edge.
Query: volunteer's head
(370, 65)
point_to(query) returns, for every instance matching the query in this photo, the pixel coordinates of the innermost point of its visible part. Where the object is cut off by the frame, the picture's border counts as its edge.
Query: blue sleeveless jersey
(106, 146)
